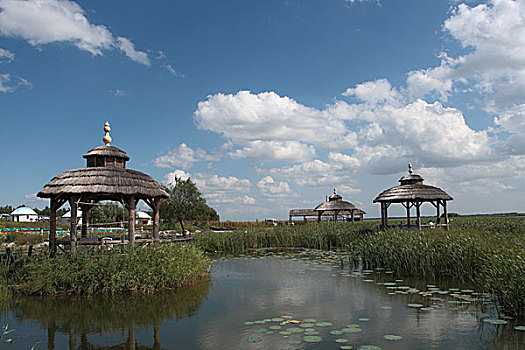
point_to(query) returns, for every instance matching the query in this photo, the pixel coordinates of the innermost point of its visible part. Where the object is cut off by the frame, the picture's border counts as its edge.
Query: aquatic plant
(134, 269)
(488, 253)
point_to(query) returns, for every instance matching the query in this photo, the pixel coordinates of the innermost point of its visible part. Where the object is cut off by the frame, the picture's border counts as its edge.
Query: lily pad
(254, 339)
(415, 305)
(306, 325)
(369, 347)
(336, 332)
(352, 330)
(324, 324)
(355, 325)
(346, 347)
(275, 327)
(293, 342)
(310, 320)
(295, 330)
(311, 333)
(495, 321)
(341, 340)
(364, 319)
(260, 330)
(248, 323)
(285, 332)
(520, 328)
(392, 337)
(277, 319)
(312, 338)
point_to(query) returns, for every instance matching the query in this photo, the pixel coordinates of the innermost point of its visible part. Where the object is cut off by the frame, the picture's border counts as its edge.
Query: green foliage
(134, 269)
(185, 203)
(24, 238)
(6, 209)
(488, 252)
(107, 214)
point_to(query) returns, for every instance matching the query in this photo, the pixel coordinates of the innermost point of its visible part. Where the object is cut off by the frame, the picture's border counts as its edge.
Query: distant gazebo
(335, 206)
(104, 178)
(412, 193)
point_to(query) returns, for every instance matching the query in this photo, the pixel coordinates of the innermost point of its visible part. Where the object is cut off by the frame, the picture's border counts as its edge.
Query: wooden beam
(53, 227)
(73, 204)
(408, 214)
(156, 219)
(446, 214)
(418, 215)
(131, 204)
(85, 218)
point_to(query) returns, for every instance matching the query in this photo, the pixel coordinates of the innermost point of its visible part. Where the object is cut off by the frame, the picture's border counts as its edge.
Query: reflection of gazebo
(335, 206)
(104, 178)
(412, 193)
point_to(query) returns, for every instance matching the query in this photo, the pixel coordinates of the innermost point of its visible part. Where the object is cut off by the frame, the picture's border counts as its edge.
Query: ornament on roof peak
(410, 168)
(107, 138)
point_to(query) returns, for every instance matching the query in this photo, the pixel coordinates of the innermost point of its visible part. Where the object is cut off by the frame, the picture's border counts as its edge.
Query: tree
(185, 203)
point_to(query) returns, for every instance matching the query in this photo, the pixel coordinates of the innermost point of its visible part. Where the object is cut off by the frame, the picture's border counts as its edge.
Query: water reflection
(250, 290)
(79, 317)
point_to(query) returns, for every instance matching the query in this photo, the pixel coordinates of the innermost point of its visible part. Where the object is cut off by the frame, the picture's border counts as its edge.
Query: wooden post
(437, 212)
(319, 214)
(131, 220)
(352, 215)
(156, 219)
(408, 214)
(418, 215)
(446, 214)
(73, 224)
(53, 228)
(383, 215)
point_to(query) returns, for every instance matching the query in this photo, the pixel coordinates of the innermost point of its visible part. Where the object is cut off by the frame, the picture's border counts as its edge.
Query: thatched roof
(339, 205)
(314, 213)
(107, 151)
(413, 192)
(102, 181)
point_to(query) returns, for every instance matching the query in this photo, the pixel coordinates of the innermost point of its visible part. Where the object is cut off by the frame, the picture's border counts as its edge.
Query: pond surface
(304, 300)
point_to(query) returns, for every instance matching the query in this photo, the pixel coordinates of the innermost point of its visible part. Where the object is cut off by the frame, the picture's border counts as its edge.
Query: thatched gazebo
(104, 178)
(335, 206)
(412, 193)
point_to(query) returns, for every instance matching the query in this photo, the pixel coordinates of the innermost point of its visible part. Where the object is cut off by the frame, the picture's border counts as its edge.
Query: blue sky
(269, 105)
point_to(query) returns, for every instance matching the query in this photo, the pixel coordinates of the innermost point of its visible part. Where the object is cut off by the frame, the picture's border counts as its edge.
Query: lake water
(277, 300)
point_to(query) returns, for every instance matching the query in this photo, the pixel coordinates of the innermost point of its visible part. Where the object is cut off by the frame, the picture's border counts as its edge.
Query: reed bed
(139, 269)
(488, 253)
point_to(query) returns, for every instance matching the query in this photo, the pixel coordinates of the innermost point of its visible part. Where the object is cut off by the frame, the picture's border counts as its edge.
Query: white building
(24, 214)
(143, 218)
(66, 218)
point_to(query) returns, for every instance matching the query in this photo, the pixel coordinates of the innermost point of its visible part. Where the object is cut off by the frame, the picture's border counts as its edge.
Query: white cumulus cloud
(183, 156)
(271, 188)
(43, 22)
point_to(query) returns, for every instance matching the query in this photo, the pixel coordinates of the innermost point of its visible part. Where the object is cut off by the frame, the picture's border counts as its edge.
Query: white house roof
(143, 215)
(68, 214)
(23, 211)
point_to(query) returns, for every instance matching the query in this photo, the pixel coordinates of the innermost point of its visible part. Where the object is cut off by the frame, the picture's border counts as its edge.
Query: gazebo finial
(335, 191)
(410, 168)
(107, 138)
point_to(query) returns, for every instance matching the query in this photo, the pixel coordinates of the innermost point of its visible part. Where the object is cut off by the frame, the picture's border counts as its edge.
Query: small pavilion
(413, 193)
(105, 178)
(335, 206)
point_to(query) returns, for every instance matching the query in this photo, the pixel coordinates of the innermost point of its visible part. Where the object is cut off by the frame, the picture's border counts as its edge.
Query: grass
(489, 253)
(135, 269)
